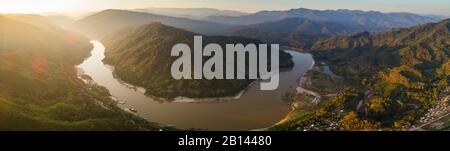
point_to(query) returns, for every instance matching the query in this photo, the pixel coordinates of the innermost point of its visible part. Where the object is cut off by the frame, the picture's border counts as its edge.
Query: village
(435, 114)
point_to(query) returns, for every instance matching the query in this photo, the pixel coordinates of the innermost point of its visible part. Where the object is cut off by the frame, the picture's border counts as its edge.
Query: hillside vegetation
(407, 69)
(39, 88)
(142, 57)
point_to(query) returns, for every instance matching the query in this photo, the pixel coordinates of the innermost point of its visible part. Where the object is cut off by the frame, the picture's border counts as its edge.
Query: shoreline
(301, 79)
(84, 76)
(179, 99)
(183, 99)
(292, 105)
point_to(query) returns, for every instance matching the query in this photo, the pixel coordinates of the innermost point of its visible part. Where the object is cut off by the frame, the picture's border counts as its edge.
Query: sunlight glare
(34, 6)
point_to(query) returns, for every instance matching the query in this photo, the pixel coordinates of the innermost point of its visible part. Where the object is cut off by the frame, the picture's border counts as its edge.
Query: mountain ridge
(192, 13)
(294, 32)
(395, 77)
(112, 20)
(367, 19)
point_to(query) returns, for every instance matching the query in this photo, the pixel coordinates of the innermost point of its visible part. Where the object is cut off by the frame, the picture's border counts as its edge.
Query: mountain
(394, 77)
(294, 32)
(40, 89)
(142, 57)
(110, 21)
(363, 19)
(417, 46)
(42, 20)
(32, 19)
(192, 13)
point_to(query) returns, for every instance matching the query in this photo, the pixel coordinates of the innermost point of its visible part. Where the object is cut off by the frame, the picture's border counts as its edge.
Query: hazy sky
(440, 7)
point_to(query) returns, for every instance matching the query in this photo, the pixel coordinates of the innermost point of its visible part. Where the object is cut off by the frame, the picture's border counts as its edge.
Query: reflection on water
(254, 109)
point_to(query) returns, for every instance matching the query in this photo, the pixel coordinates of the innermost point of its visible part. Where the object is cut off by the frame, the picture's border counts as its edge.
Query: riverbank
(87, 79)
(253, 108)
(183, 99)
(309, 94)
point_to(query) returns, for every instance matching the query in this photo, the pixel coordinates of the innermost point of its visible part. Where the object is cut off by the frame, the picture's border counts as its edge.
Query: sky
(435, 7)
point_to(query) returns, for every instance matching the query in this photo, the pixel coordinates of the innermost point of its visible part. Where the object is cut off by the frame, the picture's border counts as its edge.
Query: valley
(250, 110)
(341, 70)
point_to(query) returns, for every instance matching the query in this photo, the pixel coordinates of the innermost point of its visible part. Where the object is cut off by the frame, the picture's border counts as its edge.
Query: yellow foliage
(445, 69)
(394, 76)
(352, 122)
(377, 105)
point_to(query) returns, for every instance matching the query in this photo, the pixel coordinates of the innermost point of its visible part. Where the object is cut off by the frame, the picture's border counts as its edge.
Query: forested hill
(39, 87)
(422, 48)
(406, 70)
(142, 57)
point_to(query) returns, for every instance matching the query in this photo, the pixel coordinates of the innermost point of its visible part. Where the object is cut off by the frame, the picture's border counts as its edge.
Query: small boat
(122, 102)
(132, 110)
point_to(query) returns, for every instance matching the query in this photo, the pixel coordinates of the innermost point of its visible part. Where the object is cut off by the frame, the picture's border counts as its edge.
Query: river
(254, 109)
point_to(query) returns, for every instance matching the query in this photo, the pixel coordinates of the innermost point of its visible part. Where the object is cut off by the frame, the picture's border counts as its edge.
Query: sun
(35, 6)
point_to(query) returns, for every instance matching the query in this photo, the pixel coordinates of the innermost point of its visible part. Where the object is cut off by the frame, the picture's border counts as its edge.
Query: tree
(352, 122)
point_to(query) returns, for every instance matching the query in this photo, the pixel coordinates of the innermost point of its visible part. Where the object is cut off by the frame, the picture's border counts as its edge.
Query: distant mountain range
(220, 22)
(142, 57)
(295, 32)
(362, 19)
(109, 21)
(192, 13)
(296, 27)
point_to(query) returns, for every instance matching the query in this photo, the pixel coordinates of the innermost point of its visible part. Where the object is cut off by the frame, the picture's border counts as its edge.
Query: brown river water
(254, 109)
